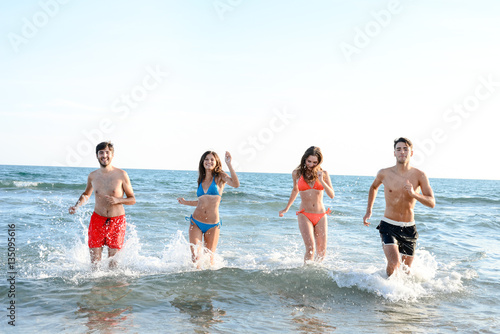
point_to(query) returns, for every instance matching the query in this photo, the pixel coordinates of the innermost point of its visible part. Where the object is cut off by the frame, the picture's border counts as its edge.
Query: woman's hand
(228, 158)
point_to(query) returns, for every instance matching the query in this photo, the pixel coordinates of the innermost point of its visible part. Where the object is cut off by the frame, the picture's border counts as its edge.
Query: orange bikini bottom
(314, 218)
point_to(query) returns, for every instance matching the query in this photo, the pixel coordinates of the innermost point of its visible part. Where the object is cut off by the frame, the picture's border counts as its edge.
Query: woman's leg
(211, 241)
(321, 236)
(195, 239)
(307, 231)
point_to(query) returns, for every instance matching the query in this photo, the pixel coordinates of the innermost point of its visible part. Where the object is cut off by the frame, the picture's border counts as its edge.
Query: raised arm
(324, 179)
(231, 179)
(84, 197)
(372, 194)
(293, 195)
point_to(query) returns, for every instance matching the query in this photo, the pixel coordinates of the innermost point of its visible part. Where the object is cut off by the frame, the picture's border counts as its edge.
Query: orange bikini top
(303, 185)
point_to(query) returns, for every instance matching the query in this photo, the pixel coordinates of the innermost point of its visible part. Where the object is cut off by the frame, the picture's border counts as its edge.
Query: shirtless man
(402, 186)
(107, 224)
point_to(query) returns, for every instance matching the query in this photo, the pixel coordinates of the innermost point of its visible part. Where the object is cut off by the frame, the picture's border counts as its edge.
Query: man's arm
(129, 192)
(84, 197)
(127, 189)
(372, 194)
(427, 195)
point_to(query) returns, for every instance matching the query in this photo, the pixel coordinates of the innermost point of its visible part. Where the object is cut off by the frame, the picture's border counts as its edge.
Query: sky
(167, 80)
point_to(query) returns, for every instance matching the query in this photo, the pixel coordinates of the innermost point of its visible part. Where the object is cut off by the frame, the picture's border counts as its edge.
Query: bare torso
(399, 205)
(207, 210)
(312, 200)
(108, 183)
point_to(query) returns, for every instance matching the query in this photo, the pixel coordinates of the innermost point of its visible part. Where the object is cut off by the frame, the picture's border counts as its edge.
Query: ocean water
(258, 283)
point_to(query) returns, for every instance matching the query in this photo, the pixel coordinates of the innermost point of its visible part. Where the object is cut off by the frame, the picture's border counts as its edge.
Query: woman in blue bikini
(310, 180)
(204, 222)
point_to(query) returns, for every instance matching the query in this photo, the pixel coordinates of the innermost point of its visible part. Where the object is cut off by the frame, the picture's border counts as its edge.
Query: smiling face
(209, 162)
(311, 162)
(105, 156)
(402, 152)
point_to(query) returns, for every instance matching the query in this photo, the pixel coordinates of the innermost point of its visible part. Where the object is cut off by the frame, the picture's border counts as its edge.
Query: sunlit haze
(167, 80)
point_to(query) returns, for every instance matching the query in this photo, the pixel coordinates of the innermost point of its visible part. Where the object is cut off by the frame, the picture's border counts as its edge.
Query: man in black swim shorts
(404, 235)
(403, 187)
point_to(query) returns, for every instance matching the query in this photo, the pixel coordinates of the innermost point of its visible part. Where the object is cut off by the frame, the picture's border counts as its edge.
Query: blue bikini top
(212, 190)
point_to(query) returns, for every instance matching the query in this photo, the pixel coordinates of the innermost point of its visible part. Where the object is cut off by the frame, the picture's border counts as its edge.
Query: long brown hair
(302, 169)
(201, 169)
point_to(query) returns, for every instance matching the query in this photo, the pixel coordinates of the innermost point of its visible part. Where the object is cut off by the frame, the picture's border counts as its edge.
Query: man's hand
(112, 200)
(366, 217)
(409, 188)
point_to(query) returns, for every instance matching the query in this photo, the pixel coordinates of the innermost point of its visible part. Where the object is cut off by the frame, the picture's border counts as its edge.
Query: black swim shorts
(403, 236)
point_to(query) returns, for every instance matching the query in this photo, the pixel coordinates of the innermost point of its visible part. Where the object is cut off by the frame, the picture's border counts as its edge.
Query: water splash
(426, 279)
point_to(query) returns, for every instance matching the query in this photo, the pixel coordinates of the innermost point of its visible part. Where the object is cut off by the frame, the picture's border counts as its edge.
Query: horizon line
(193, 170)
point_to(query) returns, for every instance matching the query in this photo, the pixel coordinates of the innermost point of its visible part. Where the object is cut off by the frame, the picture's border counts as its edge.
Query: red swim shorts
(109, 231)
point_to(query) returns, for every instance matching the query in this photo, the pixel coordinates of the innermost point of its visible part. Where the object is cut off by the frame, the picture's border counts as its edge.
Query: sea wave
(493, 199)
(6, 184)
(278, 270)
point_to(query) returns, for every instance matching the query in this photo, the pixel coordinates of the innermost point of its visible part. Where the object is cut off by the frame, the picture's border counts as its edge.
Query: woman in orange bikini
(309, 180)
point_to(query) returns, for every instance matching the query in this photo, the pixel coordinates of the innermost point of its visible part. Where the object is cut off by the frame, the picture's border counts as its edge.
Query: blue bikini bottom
(202, 226)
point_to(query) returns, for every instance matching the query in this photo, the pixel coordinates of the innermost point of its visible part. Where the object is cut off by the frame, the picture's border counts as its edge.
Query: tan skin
(315, 237)
(403, 187)
(207, 208)
(110, 185)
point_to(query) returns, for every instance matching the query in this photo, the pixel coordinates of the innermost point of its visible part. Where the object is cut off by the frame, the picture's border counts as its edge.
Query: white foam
(72, 261)
(25, 184)
(425, 279)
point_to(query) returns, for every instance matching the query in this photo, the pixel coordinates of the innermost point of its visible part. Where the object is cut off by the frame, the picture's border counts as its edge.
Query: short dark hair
(103, 145)
(403, 140)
